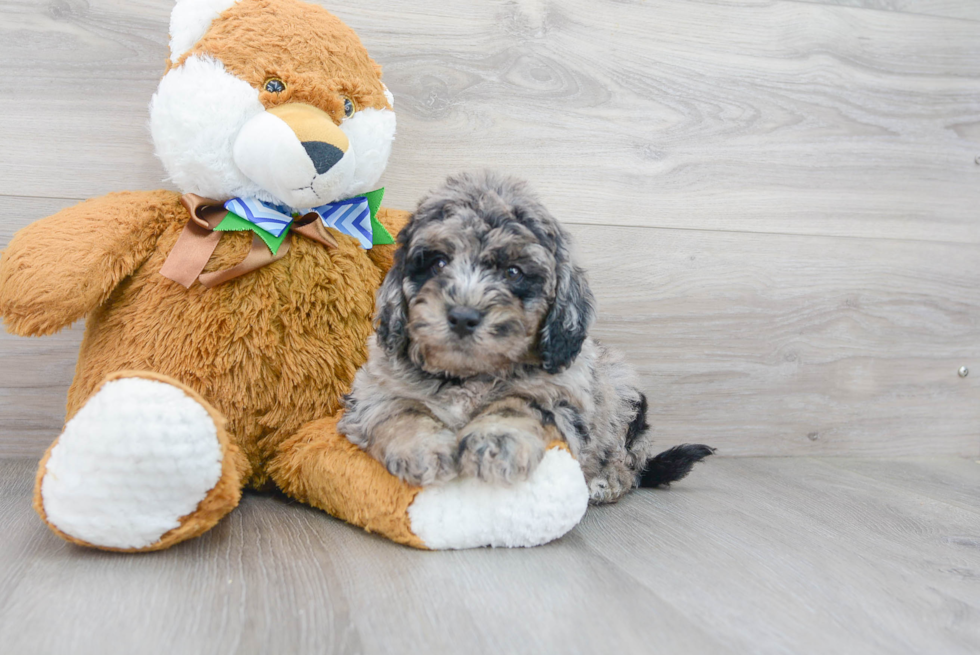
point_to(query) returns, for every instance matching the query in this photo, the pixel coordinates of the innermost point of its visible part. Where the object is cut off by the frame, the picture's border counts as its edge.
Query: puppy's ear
(392, 317)
(567, 323)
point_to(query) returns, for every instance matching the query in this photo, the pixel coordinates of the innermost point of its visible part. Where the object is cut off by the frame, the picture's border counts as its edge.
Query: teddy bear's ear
(190, 20)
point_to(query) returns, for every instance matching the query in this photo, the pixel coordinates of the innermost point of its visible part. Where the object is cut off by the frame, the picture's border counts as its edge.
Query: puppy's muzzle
(464, 320)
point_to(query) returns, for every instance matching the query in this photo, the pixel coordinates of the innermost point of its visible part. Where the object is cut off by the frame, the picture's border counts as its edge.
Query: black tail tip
(673, 464)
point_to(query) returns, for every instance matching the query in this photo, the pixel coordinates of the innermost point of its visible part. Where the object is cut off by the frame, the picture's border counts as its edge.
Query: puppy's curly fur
(482, 354)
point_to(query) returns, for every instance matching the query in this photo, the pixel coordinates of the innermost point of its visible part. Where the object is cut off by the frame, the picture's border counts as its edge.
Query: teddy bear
(225, 321)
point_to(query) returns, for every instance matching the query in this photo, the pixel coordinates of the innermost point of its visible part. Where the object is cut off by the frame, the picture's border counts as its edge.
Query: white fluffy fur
(468, 513)
(190, 20)
(270, 153)
(195, 117)
(205, 122)
(138, 456)
(371, 133)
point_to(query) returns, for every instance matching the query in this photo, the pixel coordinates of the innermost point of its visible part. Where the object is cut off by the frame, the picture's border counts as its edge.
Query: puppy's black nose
(323, 155)
(464, 320)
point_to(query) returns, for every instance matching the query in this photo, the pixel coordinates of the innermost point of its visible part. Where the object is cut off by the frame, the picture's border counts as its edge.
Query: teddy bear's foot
(469, 513)
(144, 464)
(321, 467)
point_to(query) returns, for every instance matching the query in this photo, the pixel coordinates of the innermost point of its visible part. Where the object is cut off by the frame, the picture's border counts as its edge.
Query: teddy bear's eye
(274, 85)
(349, 108)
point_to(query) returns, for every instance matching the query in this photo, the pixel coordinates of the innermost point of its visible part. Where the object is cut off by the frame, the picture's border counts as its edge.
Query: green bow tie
(355, 217)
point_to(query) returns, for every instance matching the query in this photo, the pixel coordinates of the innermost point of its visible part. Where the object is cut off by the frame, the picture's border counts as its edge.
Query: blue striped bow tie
(355, 217)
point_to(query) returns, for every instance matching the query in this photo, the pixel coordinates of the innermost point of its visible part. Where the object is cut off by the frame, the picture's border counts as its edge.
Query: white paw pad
(136, 458)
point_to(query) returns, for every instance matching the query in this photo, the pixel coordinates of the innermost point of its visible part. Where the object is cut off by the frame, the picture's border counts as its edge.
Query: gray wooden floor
(749, 555)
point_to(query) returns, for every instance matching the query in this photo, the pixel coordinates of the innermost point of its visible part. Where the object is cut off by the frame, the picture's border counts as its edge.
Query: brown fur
(319, 466)
(308, 315)
(330, 62)
(269, 354)
(510, 327)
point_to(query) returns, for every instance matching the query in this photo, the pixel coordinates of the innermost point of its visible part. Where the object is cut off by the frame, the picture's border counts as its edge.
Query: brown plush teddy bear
(224, 325)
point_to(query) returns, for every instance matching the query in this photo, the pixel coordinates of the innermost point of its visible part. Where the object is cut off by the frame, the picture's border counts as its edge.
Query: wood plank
(793, 555)
(787, 345)
(757, 344)
(78, 115)
(964, 9)
(769, 117)
(954, 481)
(21, 539)
(275, 578)
(746, 555)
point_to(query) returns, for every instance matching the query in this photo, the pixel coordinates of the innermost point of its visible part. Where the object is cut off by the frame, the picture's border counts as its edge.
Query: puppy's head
(483, 280)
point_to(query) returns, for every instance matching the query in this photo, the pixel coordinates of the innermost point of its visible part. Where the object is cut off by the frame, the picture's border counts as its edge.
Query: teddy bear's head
(271, 99)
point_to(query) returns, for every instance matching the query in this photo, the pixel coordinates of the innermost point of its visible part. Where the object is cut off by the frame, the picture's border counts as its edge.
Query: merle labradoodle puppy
(482, 355)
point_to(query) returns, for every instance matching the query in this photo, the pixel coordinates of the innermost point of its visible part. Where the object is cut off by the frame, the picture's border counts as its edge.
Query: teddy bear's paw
(131, 465)
(469, 513)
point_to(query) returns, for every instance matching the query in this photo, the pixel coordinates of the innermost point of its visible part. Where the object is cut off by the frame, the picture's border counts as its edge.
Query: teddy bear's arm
(60, 268)
(393, 220)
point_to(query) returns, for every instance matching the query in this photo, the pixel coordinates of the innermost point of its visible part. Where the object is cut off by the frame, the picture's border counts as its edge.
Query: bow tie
(355, 217)
(271, 226)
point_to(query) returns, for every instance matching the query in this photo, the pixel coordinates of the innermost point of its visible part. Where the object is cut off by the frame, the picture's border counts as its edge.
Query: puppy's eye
(349, 107)
(439, 263)
(513, 273)
(274, 85)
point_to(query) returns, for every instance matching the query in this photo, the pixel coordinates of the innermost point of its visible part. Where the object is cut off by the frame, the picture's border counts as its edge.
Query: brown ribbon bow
(197, 242)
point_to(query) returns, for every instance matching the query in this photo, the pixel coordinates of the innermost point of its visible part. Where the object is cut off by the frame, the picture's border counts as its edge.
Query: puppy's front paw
(499, 453)
(423, 458)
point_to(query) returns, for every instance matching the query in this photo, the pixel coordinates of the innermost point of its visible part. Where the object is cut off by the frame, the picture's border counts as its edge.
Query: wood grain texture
(780, 117)
(776, 200)
(953, 481)
(945, 8)
(782, 554)
(788, 345)
(745, 556)
(775, 116)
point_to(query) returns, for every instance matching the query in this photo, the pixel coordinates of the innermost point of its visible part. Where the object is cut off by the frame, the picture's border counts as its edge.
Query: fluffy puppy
(482, 355)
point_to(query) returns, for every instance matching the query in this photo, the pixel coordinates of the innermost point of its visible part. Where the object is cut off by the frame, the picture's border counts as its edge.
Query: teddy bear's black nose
(324, 155)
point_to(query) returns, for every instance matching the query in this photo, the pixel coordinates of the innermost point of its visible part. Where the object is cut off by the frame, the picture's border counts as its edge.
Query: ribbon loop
(196, 242)
(257, 257)
(271, 225)
(205, 212)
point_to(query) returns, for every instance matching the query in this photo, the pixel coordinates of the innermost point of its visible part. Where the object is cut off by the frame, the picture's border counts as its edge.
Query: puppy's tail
(672, 465)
